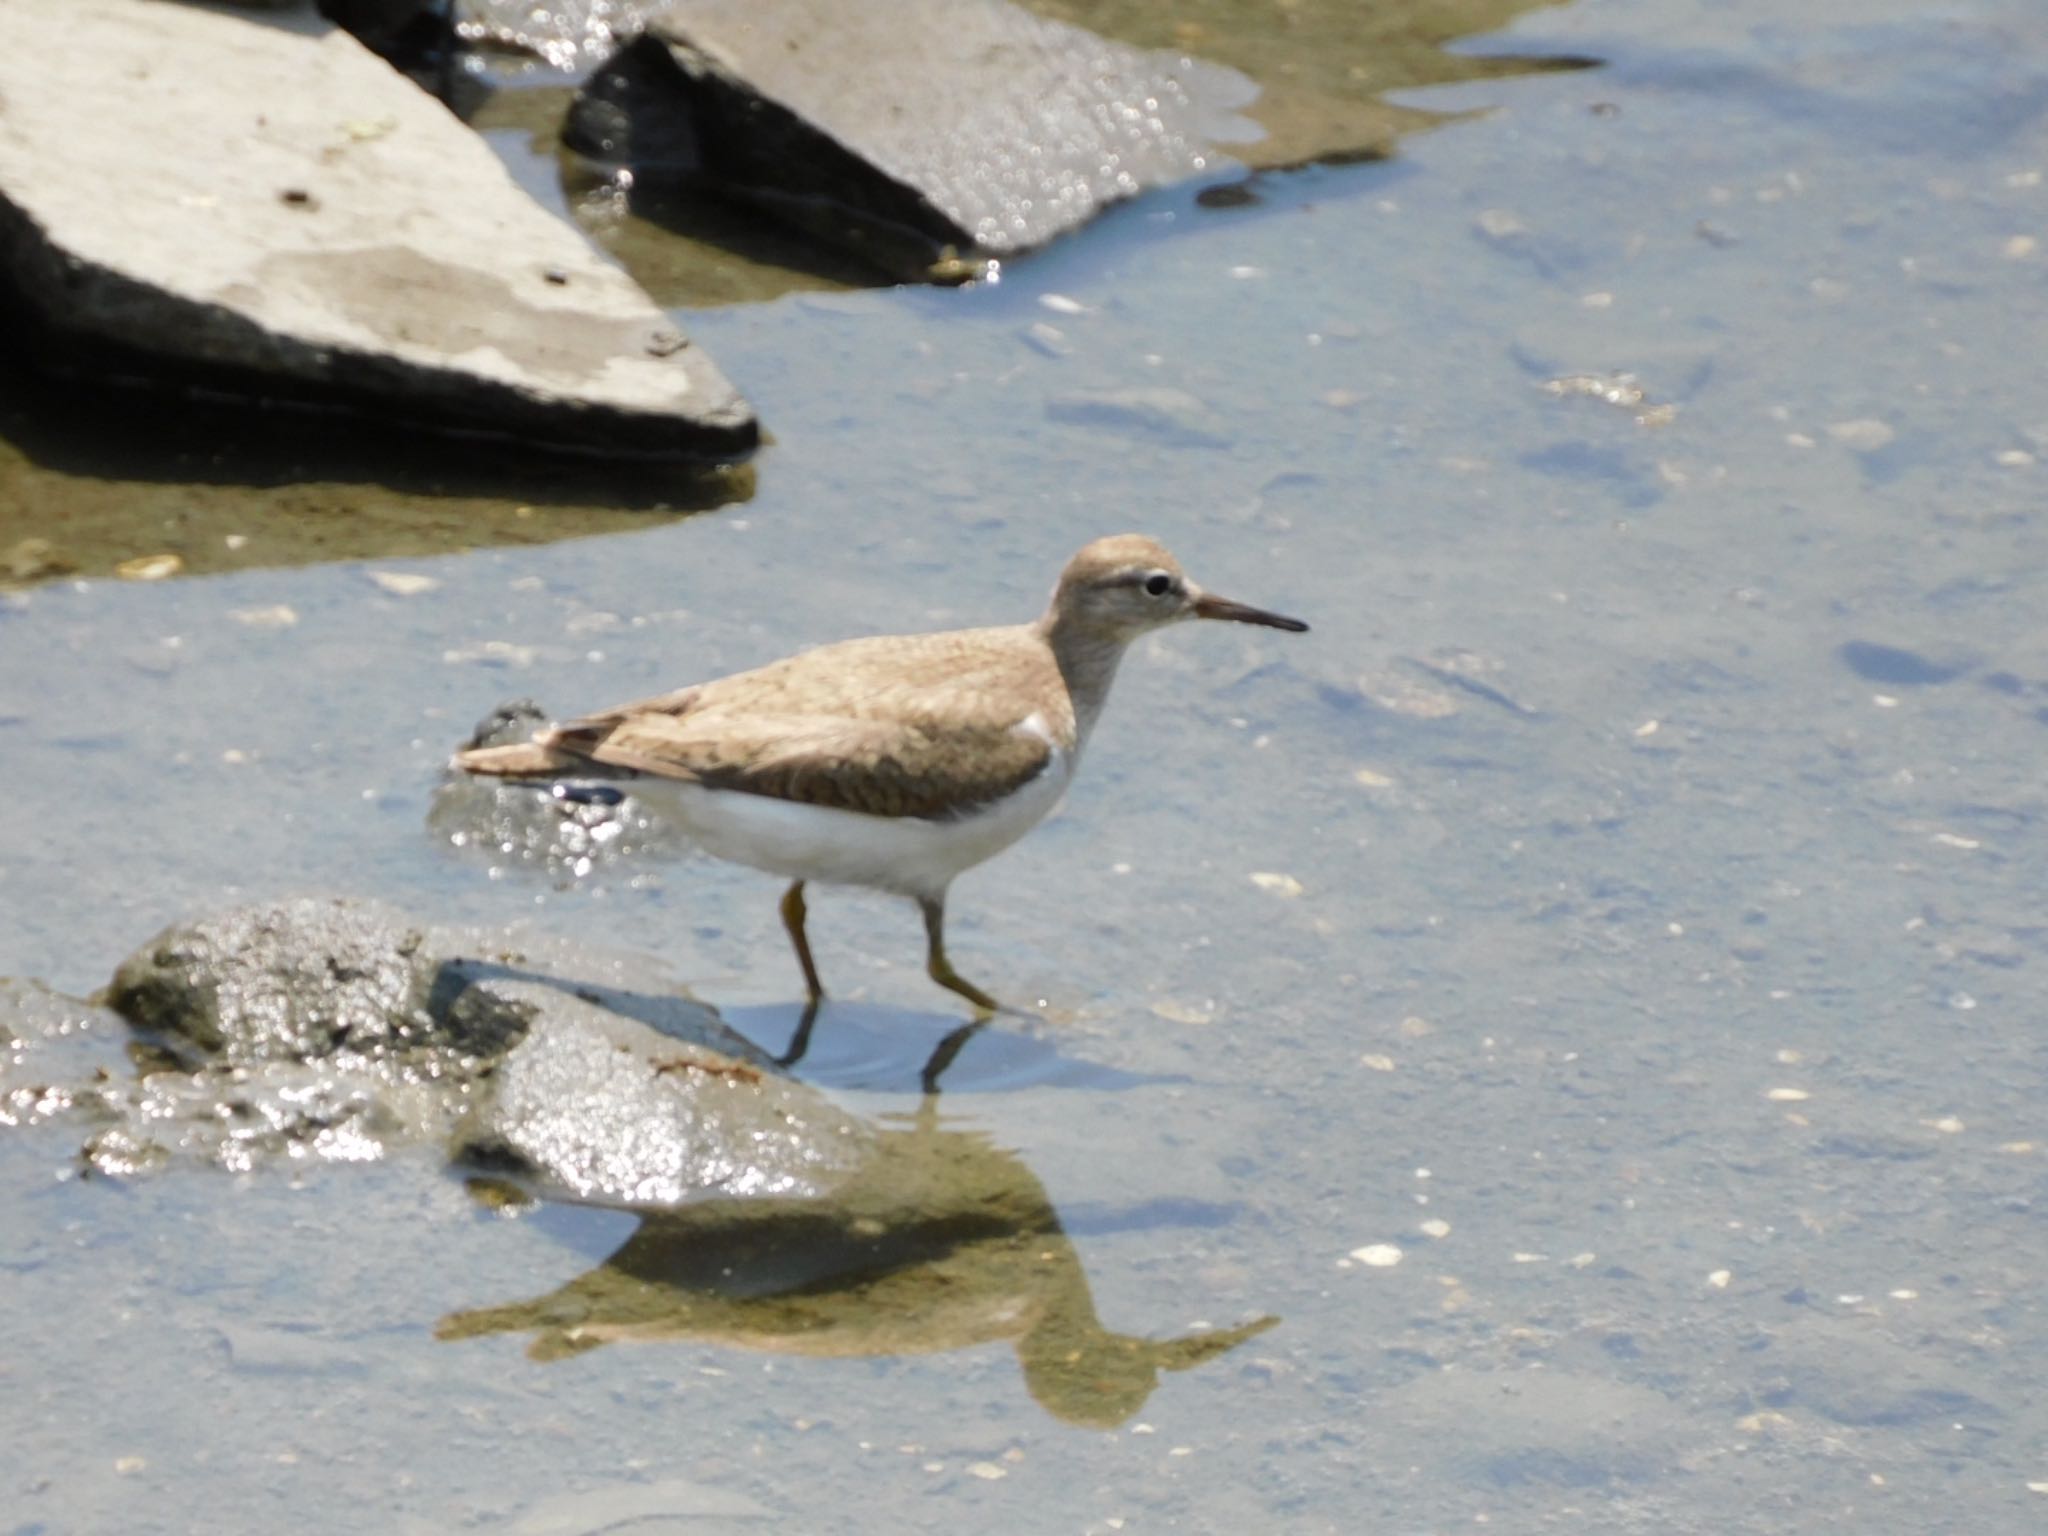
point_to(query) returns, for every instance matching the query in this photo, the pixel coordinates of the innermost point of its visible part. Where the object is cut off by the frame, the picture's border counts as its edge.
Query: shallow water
(1657, 800)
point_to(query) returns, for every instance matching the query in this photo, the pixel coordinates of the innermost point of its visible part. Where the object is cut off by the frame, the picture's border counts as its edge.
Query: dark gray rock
(298, 980)
(324, 233)
(918, 133)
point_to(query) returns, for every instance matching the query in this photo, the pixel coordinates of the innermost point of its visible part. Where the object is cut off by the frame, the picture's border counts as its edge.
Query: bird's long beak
(1208, 605)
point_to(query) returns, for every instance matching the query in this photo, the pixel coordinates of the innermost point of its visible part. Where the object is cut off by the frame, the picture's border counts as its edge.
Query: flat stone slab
(257, 203)
(970, 124)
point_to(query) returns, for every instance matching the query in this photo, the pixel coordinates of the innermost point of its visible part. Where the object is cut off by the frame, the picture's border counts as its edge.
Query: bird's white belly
(902, 854)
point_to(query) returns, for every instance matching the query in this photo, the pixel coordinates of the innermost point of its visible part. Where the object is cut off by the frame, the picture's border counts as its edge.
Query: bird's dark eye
(1158, 584)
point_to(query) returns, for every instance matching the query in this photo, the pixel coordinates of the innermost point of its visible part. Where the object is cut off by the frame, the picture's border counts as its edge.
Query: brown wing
(883, 768)
(922, 726)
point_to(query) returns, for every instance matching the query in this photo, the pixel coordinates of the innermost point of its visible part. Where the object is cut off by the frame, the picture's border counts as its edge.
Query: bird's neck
(1087, 656)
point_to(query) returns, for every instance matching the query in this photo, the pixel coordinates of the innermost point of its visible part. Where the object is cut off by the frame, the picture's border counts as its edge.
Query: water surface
(1624, 906)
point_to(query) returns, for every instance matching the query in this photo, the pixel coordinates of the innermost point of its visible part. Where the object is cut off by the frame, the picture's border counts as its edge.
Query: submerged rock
(916, 133)
(52, 1052)
(524, 826)
(324, 232)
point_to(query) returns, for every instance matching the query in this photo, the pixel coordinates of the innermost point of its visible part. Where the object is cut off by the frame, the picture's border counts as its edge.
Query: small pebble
(404, 583)
(1377, 1062)
(276, 616)
(149, 567)
(1060, 304)
(1279, 885)
(1436, 1226)
(1719, 1279)
(1862, 435)
(987, 1471)
(1377, 1255)
(1789, 1095)
(1048, 339)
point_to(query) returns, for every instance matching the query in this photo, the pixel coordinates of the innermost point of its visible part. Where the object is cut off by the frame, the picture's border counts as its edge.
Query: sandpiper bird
(894, 762)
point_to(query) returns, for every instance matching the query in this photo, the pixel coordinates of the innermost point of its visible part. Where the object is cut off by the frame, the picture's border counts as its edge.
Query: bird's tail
(521, 760)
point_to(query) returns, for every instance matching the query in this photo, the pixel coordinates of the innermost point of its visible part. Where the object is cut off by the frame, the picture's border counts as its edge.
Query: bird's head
(1119, 587)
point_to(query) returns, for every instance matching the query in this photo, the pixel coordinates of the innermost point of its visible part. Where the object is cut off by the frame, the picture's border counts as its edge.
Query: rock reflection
(943, 1241)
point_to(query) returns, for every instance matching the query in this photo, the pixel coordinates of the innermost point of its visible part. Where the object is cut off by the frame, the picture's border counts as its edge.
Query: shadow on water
(941, 1242)
(858, 1046)
(91, 476)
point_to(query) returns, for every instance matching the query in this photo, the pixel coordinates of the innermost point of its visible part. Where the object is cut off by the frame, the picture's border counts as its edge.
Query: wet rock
(337, 1029)
(297, 980)
(326, 233)
(52, 1052)
(904, 130)
(568, 36)
(532, 828)
(245, 1117)
(33, 559)
(591, 1105)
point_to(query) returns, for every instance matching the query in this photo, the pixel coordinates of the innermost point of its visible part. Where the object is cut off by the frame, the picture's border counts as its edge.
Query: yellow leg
(793, 914)
(940, 969)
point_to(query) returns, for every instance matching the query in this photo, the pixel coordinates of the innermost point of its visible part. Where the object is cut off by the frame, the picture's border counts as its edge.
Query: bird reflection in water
(942, 1242)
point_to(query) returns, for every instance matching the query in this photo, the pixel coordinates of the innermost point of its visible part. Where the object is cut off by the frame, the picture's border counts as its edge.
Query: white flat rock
(254, 201)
